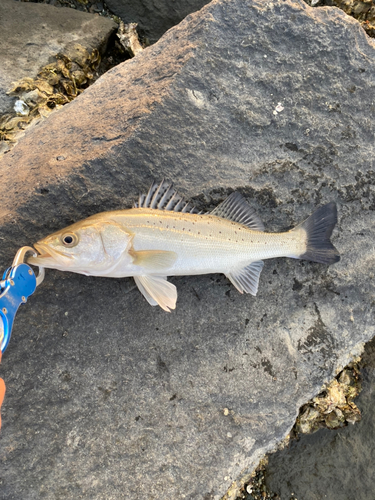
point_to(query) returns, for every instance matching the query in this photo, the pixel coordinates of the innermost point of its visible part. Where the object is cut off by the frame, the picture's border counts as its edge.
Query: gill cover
(87, 247)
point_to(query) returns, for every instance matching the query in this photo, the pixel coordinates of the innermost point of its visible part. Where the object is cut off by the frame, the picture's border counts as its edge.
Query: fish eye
(69, 240)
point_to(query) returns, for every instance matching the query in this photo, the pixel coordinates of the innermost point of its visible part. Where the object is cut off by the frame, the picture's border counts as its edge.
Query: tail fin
(319, 227)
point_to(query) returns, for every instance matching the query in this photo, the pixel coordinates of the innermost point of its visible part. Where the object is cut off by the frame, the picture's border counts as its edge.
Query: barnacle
(56, 84)
(334, 407)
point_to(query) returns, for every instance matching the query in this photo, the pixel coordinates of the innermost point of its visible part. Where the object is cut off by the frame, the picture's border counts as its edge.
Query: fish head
(86, 247)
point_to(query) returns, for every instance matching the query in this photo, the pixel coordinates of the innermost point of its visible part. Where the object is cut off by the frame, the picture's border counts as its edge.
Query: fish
(163, 235)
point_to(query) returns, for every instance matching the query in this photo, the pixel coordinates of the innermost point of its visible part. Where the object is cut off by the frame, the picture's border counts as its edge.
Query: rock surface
(154, 17)
(108, 397)
(331, 464)
(32, 33)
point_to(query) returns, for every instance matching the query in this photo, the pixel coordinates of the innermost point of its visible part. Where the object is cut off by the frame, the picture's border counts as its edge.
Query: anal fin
(157, 291)
(246, 279)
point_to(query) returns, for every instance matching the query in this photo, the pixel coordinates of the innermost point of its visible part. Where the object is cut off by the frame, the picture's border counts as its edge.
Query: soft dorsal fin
(247, 279)
(236, 208)
(163, 197)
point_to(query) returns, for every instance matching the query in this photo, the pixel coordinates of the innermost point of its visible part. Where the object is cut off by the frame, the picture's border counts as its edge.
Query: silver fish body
(161, 237)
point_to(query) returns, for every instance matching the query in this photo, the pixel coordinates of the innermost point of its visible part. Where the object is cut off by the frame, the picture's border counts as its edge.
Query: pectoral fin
(157, 291)
(247, 279)
(155, 260)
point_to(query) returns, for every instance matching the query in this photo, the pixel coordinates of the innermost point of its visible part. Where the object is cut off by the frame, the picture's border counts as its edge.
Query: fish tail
(318, 228)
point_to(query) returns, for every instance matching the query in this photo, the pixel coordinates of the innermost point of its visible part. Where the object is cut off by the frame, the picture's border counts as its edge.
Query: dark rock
(331, 464)
(154, 17)
(32, 33)
(108, 396)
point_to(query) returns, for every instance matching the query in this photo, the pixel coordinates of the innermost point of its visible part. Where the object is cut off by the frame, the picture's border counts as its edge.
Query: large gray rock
(154, 17)
(110, 398)
(31, 34)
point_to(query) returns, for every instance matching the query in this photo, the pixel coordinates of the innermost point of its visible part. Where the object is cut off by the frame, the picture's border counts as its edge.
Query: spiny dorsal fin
(236, 208)
(247, 279)
(163, 197)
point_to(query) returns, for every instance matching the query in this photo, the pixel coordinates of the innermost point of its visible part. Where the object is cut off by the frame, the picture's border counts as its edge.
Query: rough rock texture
(154, 17)
(331, 464)
(32, 33)
(110, 398)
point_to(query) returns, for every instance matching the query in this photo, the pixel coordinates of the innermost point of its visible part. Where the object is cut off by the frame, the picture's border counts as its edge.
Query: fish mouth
(43, 252)
(48, 257)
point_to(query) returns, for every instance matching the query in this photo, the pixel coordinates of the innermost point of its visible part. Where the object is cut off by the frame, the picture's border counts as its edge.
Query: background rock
(154, 17)
(109, 397)
(32, 33)
(331, 464)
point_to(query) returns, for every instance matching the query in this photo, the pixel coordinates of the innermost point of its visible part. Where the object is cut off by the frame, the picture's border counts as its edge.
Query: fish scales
(205, 243)
(164, 236)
